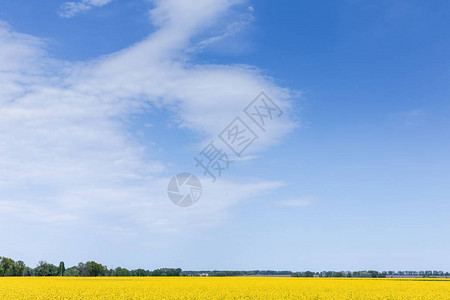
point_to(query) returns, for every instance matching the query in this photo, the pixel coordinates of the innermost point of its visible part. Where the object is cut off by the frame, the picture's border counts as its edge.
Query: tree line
(237, 273)
(370, 274)
(359, 274)
(9, 267)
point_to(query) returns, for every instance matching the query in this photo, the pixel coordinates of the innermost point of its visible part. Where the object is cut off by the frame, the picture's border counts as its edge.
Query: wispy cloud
(66, 156)
(70, 9)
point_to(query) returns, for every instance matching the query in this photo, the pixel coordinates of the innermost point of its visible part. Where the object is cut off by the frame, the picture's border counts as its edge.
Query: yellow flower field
(220, 288)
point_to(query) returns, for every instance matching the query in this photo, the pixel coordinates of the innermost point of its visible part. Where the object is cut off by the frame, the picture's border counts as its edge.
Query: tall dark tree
(19, 268)
(82, 269)
(61, 269)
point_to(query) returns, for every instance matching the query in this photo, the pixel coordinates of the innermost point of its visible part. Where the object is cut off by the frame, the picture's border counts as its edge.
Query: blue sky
(104, 101)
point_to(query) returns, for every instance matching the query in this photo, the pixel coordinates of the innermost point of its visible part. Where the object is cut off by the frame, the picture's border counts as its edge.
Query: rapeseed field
(220, 288)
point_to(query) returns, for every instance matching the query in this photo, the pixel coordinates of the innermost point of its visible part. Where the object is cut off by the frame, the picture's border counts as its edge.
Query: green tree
(9, 271)
(308, 274)
(157, 272)
(45, 269)
(19, 268)
(6, 263)
(139, 272)
(72, 272)
(374, 274)
(94, 269)
(122, 272)
(82, 269)
(61, 269)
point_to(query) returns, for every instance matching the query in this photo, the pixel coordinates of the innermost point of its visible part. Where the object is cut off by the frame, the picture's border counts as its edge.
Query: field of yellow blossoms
(220, 288)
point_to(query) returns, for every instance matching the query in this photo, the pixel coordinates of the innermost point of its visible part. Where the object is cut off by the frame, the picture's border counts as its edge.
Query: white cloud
(70, 9)
(65, 155)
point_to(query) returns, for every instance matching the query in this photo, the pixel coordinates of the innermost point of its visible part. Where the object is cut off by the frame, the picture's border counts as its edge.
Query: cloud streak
(70, 9)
